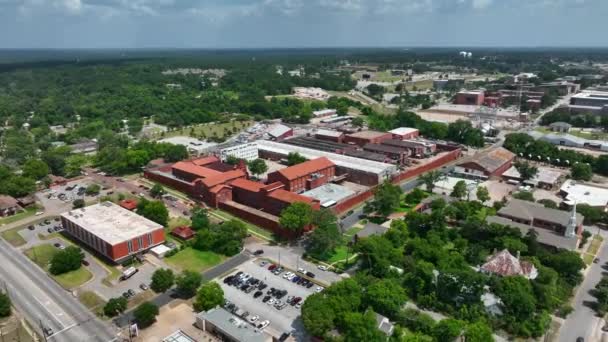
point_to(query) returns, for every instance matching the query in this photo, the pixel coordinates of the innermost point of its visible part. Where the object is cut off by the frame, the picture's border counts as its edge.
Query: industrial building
(324, 113)
(360, 171)
(590, 98)
(329, 135)
(416, 148)
(405, 133)
(397, 155)
(490, 164)
(475, 98)
(305, 176)
(247, 152)
(279, 132)
(366, 137)
(582, 193)
(569, 140)
(228, 327)
(194, 146)
(112, 231)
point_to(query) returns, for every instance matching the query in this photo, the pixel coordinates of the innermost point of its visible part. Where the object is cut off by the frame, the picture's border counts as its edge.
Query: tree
(415, 196)
(69, 259)
(153, 210)
(592, 215)
(318, 314)
(547, 203)
(430, 179)
(361, 327)
(478, 332)
(257, 166)
(296, 217)
(115, 306)
(358, 121)
(517, 296)
(5, 305)
(199, 218)
(483, 195)
(162, 280)
(448, 329)
(294, 158)
(208, 297)
(157, 191)
(175, 153)
(323, 241)
(526, 171)
(232, 160)
(78, 203)
(524, 196)
(460, 190)
(387, 198)
(93, 189)
(145, 314)
(35, 169)
(386, 297)
(187, 283)
(581, 171)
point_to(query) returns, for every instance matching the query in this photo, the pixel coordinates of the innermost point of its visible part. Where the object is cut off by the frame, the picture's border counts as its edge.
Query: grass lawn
(204, 131)
(255, 230)
(19, 216)
(588, 259)
(92, 301)
(351, 232)
(339, 254)
(12, 236)
(194, 260)
(595, 245)
(42, 255)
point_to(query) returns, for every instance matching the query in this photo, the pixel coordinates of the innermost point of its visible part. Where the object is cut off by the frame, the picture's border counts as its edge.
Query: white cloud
(481, 4)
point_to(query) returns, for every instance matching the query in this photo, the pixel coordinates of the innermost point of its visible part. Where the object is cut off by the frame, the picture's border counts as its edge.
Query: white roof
(544, 175)
(278, 130)
(328, 133)
(338, 159)
(189, 142)
(160, 249)
(324, 112)
(403, 130)
(595, 196)
(111, 223)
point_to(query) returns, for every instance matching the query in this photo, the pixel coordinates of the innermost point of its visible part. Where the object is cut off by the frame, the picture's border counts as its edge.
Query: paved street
(583, 322)
(44, 302)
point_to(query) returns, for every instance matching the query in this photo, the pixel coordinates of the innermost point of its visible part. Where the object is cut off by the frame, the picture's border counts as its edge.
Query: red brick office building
(112, 231)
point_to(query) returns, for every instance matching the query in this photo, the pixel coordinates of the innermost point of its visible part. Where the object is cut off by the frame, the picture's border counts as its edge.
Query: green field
(41, 255)
(339, 254)
(12, 236)
(208, 130)
(194, 260)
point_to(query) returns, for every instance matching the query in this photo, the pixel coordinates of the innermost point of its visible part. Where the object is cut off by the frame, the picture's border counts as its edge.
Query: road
(169, 296)
(44, 302)
(583, 322)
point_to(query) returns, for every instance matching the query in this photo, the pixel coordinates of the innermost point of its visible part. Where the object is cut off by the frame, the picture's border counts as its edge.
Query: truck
(128, 273)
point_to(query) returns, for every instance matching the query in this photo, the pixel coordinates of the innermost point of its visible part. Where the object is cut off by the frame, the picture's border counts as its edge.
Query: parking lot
(282, 320)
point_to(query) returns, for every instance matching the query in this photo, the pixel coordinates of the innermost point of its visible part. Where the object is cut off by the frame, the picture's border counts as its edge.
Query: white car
(263, 324)
(318, 289)
(290, 278)
(322, 268)
(299, 305)
(301, 270)
(271, 301)
(287, 275)
(253, 318)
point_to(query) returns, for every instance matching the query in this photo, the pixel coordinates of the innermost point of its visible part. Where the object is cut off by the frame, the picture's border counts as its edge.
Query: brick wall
(259, 220)
(436, 163)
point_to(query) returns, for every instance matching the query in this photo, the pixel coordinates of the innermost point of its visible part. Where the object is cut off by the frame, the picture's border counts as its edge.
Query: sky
(301, 23)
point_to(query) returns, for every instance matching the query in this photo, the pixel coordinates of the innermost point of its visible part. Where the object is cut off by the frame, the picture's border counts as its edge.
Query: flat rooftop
(110, 222)
(367, 134)
(329, 194)
(595, 196)
(338, 159)
(188, 142)
(403, 130)
(233, 326)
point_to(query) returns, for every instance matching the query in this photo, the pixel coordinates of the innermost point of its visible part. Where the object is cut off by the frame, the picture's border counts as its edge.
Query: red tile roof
(248, 185)
(129, 204)
(505, 264)
(7, 202)
(306, 168)
(183, 232)
(205, 161)
(199, 171)
(217, 188)
(289, 197)
(223, 177)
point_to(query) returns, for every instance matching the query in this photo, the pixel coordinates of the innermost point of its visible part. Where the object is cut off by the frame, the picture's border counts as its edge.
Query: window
(140, 242)
(149, 239)
(130, 246)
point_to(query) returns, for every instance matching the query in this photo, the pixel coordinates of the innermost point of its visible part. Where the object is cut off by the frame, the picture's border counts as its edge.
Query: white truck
(128, 273)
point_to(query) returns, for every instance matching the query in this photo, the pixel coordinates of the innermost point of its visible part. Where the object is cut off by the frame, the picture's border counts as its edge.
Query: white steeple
(572, 223)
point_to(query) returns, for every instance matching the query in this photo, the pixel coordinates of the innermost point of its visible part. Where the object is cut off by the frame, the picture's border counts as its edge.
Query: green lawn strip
(255, 230)
(19, 216)
(351, 232)
(194, 260)
(41, 255)
(588, 259)
(73, 279)
(594, 246)
(92, 301)
(339, 254)
(13, 237)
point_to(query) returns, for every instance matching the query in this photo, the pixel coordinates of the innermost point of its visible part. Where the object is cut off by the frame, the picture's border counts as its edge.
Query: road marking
(49, 311)
(62, 330)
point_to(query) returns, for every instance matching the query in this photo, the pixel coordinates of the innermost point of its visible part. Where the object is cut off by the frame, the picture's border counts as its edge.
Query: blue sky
(301, 23)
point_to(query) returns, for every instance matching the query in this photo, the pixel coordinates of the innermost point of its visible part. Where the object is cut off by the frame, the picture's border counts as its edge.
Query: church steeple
(572, 223)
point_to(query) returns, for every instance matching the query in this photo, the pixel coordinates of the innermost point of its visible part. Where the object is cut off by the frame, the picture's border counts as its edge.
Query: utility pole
(43, 330)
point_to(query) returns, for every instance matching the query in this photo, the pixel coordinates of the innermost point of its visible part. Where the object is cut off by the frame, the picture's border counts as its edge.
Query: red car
(272, 267)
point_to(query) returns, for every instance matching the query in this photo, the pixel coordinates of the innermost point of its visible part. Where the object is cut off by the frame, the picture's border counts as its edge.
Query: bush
(115, 306)
(5, 305)
(162, 280)
(67, 260)
(188, 282)
(78, 203)
(145, 314)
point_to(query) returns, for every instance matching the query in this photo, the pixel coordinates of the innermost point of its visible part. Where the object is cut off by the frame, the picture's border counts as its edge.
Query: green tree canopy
(581, 171)
(257, 166)
(294, 158)
(153, 210)
(526, 170)
(430, 179)
(157, 191)
(296, 217)
(115, 306)
(460, 190)
(69, 259)
(188, 282)
(5, 305)
(483, 195)
(145, 314)
(162, 280)
(208, 296)
(387, 198)
(35, 169)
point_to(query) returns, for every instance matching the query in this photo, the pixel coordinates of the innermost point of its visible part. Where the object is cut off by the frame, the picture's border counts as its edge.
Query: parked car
(263, 263)
(295, 279)
(310, 274)
(85, 263)
(263, 325)
(49, 230)
(31, 227)
(48, 331)
(57, 244)
(258, 252)
(309, 285)
(271, 301)
(318, 289)
(322, 268)
(257, 294)
(253, 318)
(143, 287)
(131, 292)
(272, 267)
(265, 299)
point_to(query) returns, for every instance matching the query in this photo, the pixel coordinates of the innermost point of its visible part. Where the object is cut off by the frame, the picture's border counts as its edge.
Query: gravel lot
(286, 320)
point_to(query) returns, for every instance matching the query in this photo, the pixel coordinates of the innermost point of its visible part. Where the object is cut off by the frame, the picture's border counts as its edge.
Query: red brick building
(305, 176)
(366, 137)
(490, 164)
(405, 133)
(183, 232)
(470, 98)
(204, 178)
(112, 231)
(129, 204)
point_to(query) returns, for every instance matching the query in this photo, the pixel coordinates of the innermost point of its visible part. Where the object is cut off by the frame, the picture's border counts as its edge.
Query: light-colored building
(405, 133)
(590, 98)
(248, 152)
(329, 194)
(194, 146)
(229, 327)
(569, 140)
(584, 193)
(311, 93)
(112, 231)
(489, 164)
(324, 112)
(279, 131)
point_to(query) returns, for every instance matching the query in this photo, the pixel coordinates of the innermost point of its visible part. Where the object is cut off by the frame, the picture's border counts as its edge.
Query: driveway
(583, 322)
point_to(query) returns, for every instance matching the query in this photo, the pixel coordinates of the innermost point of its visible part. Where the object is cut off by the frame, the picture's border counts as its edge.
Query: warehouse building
(405, 133)
(112, 231)
(395, 154)
(416, 148)
(490, 164)
(356, 170)
(366, 137)
(305, 176)
(247, 152)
